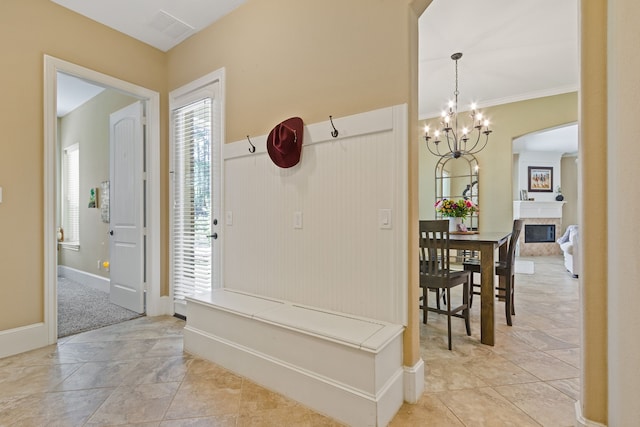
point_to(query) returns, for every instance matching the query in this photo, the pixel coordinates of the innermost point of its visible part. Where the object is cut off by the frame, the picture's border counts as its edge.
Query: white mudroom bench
(347, 367)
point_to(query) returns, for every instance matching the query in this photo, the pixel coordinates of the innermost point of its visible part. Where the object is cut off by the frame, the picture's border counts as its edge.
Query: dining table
(485, 242)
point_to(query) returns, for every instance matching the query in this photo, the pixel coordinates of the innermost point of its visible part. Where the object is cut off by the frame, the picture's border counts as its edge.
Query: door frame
(192, 90)
(156, 304)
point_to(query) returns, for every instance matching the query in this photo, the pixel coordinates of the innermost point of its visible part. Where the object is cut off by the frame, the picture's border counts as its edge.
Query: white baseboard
(92, 280)
(581, 421)
(414, 382)
(163, 308)
(24, 338)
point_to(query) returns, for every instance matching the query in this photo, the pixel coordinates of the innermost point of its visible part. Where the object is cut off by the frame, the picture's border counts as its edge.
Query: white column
(624, 205)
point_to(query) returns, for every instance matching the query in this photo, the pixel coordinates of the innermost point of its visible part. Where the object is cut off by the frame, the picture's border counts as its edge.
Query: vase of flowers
(456, 211)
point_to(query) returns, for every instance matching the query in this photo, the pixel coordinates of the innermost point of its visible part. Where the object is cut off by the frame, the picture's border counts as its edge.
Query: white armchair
(569, 245)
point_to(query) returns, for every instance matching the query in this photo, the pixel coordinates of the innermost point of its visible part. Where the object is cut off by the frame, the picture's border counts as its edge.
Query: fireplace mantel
(533, 209)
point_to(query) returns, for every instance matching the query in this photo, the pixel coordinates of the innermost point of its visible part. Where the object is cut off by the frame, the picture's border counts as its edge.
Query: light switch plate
(0, 194)
(384, 218)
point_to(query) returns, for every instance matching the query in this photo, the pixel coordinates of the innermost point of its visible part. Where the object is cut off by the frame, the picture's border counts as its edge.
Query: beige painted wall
(593, 213)
(88, 126)
(509, 121)
(32, 28)
(288, 58)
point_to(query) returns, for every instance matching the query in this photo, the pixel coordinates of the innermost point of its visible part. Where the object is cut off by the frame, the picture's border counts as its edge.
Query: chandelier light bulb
(473, 105)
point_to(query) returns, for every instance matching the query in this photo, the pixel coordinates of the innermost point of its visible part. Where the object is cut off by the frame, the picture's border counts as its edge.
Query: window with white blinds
(192, 200)
(71, 194)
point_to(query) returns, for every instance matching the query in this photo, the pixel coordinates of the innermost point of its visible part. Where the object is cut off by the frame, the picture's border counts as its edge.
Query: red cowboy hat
(284, 143)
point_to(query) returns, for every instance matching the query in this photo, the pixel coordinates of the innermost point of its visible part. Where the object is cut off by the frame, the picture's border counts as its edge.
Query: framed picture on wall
(93, 197)
(540, 179)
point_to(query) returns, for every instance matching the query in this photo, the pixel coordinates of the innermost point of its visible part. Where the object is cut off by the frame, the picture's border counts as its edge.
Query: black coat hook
(334, 132)
(252, 149)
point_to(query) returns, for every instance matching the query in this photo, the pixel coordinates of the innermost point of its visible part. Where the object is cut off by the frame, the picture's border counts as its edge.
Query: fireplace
(541, 220)
(539, 233)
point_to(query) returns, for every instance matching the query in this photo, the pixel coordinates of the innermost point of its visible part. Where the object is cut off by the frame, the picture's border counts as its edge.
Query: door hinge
(143, 120)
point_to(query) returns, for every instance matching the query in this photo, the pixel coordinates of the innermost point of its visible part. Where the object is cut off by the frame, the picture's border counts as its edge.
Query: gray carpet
(82, 308)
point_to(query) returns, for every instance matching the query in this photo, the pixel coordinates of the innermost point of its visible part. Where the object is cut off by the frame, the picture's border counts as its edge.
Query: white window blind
(192, 251)
(71, 193)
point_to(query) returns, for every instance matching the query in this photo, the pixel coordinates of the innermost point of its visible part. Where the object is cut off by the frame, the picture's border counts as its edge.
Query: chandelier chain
(456, 57)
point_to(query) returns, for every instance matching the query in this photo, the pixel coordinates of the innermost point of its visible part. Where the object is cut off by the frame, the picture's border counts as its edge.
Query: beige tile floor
(136, 374)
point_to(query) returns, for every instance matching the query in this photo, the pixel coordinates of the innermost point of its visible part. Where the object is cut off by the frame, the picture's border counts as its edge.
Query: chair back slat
(434, 248)
(513, 243)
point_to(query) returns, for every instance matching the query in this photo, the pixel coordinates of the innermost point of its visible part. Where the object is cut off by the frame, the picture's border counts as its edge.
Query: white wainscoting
(341, 259)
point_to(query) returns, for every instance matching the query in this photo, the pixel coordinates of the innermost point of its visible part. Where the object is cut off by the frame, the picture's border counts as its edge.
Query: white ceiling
(512, 49)
(563, 139)
(159, 23)
(73, 92)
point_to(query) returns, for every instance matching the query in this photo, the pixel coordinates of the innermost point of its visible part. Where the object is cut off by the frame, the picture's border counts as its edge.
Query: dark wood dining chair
(503, 268)
(436, 275)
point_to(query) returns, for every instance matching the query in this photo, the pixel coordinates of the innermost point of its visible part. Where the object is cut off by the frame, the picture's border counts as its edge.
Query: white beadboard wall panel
(341, 259)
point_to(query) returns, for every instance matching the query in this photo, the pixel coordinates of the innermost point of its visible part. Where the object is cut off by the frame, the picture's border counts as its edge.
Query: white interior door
(127, 211)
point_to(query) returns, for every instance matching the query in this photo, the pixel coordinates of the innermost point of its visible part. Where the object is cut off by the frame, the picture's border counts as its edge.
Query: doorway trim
(211, 85)
(156, 305)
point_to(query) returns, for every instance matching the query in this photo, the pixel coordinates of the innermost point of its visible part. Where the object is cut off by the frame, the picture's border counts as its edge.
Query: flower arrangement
(457, 209)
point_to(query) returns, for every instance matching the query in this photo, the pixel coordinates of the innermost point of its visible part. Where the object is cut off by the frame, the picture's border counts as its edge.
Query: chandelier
(459, 141)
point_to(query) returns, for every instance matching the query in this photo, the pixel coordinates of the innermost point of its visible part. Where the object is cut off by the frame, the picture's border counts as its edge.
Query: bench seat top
(367, 334)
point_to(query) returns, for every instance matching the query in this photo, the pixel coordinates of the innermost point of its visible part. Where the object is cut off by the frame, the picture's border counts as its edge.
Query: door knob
(214, 236)
(111, 232)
